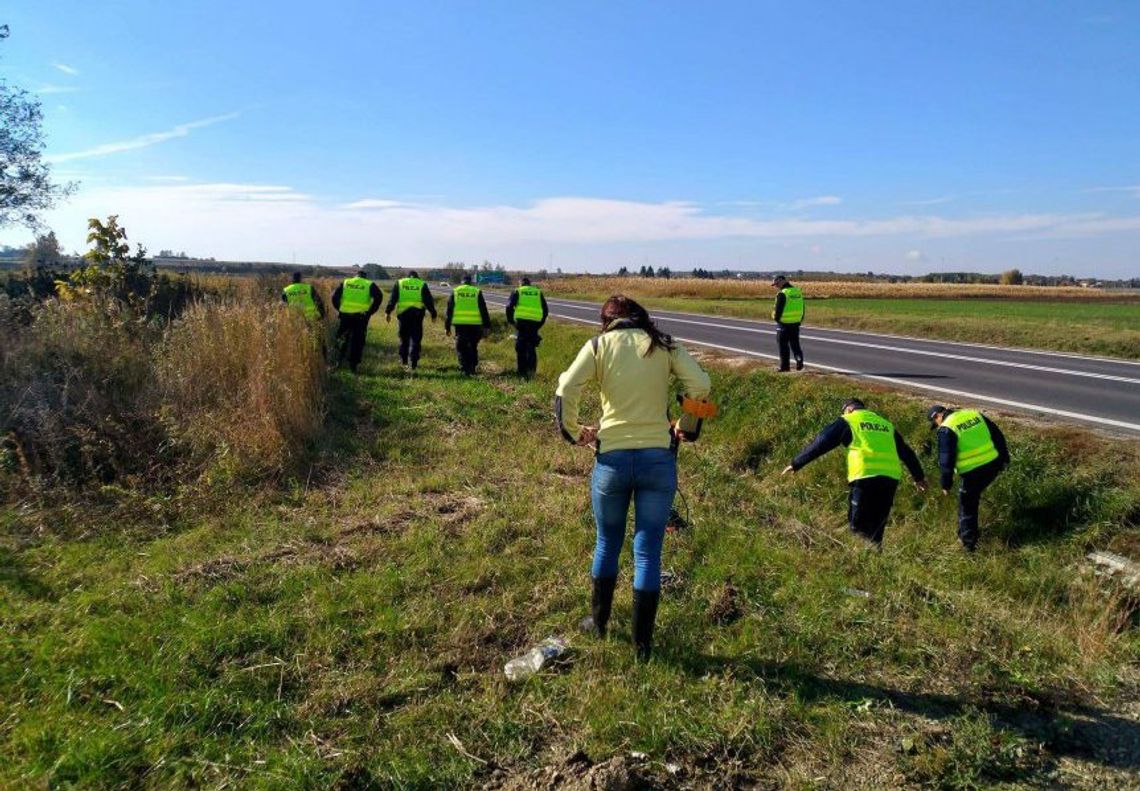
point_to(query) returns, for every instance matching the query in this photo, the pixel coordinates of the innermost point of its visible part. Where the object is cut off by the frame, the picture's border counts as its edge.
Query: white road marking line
(904, 350)
(1016, 349)
(906, 383)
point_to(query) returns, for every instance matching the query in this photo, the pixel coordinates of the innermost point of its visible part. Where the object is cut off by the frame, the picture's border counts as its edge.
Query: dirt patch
(578, 773)
(455, 511)
(227, 567)
(726, 606)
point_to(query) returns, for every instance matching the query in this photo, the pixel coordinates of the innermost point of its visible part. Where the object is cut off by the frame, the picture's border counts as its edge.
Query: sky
(895, 137)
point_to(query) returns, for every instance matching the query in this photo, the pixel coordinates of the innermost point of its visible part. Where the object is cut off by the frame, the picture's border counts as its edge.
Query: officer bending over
(527, 312)
(972, 445)
(411, 299)
(875, 455)
(467, 312)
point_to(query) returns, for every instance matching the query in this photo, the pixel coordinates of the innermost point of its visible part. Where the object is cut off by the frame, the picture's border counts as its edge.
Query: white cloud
(819, 200)
(929, 201)
(272, 222)
(1133, 190)
(142, 141)
(50, 89)
(68, 70)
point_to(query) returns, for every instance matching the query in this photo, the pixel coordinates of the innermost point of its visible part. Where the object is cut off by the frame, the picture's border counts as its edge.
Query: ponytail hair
(621, 312)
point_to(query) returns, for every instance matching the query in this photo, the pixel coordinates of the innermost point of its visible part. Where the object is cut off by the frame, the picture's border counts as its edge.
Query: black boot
(644, 617)
(601, 601)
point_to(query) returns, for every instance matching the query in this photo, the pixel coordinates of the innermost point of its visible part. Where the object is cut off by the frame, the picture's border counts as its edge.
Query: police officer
(411, 298)
(972, 445)
(788, 313)
(356, 299)
(303, 297)
(874, 452)
(467, 312)
(527, 312)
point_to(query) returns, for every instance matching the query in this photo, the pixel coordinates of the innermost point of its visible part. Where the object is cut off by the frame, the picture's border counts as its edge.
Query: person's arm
(568, 396)
(320, 303)
(511, 304)
(393, 299)
(376, 297)
(947, 455)
(483, 312)
(336, 296)
(693, 378)
(999, 441)
(545, 310)
(284, 297)
(832, 436)
(449, 313)
(778, 310)
(428, 300)
(909, 458)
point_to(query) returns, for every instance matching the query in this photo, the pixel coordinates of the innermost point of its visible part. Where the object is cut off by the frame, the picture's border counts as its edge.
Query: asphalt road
(1089, 390)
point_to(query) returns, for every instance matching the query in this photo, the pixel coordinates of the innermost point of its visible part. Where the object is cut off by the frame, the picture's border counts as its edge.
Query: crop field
(1063, 319)
(346, 626)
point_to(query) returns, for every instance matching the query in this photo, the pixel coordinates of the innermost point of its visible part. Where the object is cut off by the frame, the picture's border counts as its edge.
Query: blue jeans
(649, 476)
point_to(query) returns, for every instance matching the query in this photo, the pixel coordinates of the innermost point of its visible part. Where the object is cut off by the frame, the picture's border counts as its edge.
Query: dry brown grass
(694, 288)
(243, 379)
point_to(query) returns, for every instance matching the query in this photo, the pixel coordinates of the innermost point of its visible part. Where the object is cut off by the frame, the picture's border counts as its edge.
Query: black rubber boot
(644, 617)
(601, 601)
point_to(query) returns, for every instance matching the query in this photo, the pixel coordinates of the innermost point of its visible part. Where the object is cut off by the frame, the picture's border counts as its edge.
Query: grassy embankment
(352, 628)
(1063, 319)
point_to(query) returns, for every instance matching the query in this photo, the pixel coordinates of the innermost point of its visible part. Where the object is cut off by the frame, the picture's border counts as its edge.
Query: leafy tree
(375, 272)
(26, 187)
(1011, 277)
(44, 253)
(623, 271)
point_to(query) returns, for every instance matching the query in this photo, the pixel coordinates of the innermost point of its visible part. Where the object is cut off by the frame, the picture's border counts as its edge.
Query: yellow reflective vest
(300, 295)
(793, 312)
(872, 450)
(356, 295)
(529, 306)
(975, 445)
(410, 294)
(466, 310)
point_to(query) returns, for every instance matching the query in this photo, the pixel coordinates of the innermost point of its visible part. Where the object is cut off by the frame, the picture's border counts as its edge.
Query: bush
(93, 393)
(271, 364)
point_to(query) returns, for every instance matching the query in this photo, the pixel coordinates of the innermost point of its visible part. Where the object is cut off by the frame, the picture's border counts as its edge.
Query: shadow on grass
(1067, 728)
(16, 578)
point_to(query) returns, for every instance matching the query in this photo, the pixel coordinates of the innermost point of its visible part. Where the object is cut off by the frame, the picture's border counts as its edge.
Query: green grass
(1105, 328)
(339, 631)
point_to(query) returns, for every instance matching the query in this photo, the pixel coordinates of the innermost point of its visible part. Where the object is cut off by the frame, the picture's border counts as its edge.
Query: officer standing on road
(303, 297)
(356, 299)
(467, 311)
(972, 445)
(788, 314)
(527, 312)
(874, 452)
(411, 298)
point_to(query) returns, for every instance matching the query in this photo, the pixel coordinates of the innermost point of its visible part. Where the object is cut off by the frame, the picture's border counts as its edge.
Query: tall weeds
(242, 385)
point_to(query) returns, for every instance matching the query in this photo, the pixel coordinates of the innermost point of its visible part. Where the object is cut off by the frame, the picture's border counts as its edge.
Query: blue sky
(901, 137)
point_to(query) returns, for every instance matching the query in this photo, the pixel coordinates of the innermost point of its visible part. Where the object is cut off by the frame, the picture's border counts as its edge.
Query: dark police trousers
(526, 346)
(467, 337)
(974, 483)
(351, 332)
(411, 333)
(788, 339)
(869, 506)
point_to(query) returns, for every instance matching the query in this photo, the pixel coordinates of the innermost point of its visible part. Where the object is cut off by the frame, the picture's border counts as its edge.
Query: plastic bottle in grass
(523, 667)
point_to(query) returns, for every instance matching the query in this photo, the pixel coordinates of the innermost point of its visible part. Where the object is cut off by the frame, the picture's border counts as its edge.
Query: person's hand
(920, 485)
(788, 469)
(588, 436)
(448, 331)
